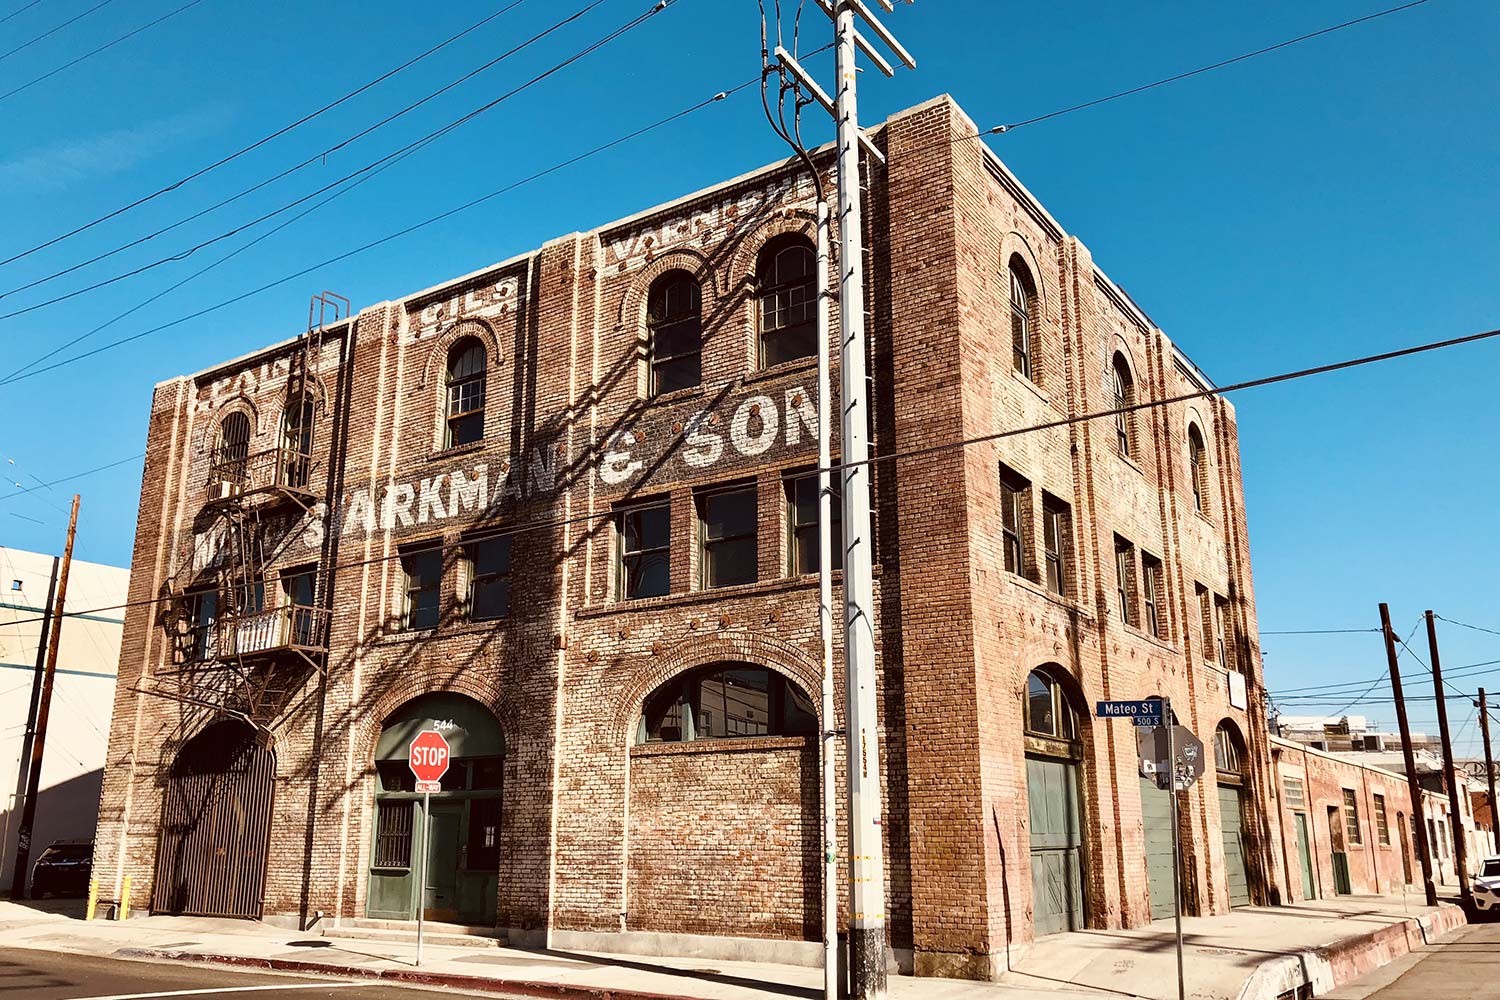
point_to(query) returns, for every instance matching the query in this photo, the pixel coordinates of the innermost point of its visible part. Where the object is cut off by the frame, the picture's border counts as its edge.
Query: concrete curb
(1347, 960)
(413, 977)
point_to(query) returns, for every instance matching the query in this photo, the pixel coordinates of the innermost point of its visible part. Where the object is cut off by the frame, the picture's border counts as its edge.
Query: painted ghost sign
(473, 490)
(493, 298)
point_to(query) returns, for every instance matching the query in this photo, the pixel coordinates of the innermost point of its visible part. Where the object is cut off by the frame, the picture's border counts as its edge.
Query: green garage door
(1231, 819)
(1156, 820)
(1056, 872)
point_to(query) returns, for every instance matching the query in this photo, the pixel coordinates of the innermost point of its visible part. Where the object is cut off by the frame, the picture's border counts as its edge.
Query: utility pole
(1419, 816)
(1489, 767)
(44, 709)
(1450, 778)
(830, 734)
(40, 671)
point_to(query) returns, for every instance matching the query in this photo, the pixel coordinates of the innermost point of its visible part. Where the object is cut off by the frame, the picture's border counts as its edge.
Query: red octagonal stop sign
(429, 756)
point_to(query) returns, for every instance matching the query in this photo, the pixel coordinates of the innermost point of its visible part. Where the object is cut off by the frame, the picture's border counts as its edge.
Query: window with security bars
(644, 534)
(1125, 581)
(1382, 822)
(486, 564)
(393, 830)
(1294, 793)
(726, 524)
(1022, 312)
(802, 526)
(786, 287)
(466, 391)
(1351, 817)
(674, 327)
(422, 577)
(1015, 503)
(1056, 534)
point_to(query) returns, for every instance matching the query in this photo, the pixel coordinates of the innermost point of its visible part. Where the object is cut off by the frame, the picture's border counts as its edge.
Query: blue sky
(1332, 199)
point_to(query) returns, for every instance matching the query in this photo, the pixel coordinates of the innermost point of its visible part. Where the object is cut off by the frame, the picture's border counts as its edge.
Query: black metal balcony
(263, 635)
(277, 473)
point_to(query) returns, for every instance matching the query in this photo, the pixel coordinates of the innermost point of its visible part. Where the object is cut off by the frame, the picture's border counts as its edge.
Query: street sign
(428, 758)
(1187, 749)
(1143, 713)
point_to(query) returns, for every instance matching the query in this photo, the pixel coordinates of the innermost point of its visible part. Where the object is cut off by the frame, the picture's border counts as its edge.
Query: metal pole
(866, 851)
(1450, 776)
(44, 709)
(1424, 849)
(1166, 720)
(1489, 767)
(825, 625)
(422, 880)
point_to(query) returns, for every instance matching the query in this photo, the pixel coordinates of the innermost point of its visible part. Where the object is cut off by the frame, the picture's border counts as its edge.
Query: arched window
(296, 443)
(1047, 710)
(1227, 752)
(465, 399)
(1124, 387)
(234, 446)
(725, 701)
(786, 285)
(1198, 468)
(1022, 302)
(674, 325)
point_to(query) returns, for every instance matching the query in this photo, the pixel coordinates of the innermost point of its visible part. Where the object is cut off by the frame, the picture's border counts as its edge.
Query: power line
(262, 140)
(387, 158)
(52, 31)
(19, 10)
(1000, 129)
(554, 523)
(1476, 628)
(1319, 631)
(69, 479)
(94, 52)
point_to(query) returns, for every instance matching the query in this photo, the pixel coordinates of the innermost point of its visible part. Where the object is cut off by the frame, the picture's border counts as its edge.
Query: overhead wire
(52, 31)
(19, 10)
(1318, 631)
(70, 478)
(1476, 628)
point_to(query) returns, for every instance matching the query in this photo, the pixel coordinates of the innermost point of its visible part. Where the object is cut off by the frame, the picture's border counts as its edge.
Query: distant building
(1344, 733)
(73, 766)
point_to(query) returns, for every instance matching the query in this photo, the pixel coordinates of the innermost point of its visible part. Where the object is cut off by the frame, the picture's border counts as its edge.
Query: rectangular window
(1015, 495)
(203, 609)
(487, 570)
(1056, 522)
(393, 823)
(1206, 631)
(422, 573)
(1351, 816)
(1221, 634)
(299, 590)
(1152, 595)
(1125, 580)
(1382, 824)
(645, 535)
(727, 521)
(1295, 794)
(802, 526)
(1443, 843)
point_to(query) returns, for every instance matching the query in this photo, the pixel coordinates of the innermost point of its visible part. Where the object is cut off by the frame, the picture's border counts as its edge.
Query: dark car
(63, 869)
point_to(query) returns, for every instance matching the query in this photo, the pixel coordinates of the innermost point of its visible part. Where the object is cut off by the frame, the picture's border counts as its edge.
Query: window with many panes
(1382, 822)
(1153, 596)
(1015, 503)
(1056, 532)
(422, 579)
(726, 702)
(726, 530)
(674, 327)
(1351, 817)
(802, 526)
(203, 613)
(296, 443)
(1295, 794)
(1125, 581)
(1124, 393)
(486, 564)
(786, 288)
(465, 392)
(1022, 317)
(644, 534)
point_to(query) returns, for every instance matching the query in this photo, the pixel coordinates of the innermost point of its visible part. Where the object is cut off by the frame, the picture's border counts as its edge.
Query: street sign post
(1187, 764)
(428, 759)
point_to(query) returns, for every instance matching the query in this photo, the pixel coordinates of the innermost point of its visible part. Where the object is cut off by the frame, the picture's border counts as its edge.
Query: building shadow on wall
(64, 811)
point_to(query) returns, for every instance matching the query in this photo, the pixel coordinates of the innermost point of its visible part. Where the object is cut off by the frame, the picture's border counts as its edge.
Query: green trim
(61, 670)
(42, 611)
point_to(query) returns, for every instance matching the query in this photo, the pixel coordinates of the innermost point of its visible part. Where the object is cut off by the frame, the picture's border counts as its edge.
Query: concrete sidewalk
(1252, 954)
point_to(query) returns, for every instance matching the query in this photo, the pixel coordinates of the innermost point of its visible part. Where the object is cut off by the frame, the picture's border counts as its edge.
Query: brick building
(556, 508)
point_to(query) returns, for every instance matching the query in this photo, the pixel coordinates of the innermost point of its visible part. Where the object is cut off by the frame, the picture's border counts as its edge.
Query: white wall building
(73, 765)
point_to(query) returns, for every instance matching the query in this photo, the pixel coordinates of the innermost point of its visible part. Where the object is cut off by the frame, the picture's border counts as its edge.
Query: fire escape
(239, 650)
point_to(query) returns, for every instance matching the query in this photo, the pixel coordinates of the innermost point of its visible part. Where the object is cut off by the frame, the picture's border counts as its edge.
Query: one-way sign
(1142, 713)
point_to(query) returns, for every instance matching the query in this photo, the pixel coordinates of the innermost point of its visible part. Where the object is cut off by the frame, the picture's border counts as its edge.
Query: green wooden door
(1304, 856)
(440, 900)
(1156, 821)
(1231, 821)
(1056, 862)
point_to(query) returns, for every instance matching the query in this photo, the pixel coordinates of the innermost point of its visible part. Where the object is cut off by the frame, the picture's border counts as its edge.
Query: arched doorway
(216, 825)
(1229, 772)
(1054, 751)
(463, 830)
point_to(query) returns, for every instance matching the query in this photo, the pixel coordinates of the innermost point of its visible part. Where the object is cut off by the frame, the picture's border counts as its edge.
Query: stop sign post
(428, 759)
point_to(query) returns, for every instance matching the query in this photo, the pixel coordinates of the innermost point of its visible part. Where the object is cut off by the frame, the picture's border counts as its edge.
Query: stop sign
(428, 756)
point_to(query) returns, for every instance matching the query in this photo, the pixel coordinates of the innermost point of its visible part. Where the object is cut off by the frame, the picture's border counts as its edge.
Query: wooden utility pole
(1450, 778)
(1489, 767)
(1419, 817)
(44, 709)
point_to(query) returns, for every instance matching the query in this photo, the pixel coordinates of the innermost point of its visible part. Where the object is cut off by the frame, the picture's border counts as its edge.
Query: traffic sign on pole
(428, 758)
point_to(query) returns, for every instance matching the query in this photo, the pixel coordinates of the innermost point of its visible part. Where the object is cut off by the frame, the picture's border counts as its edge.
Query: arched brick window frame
(1016, 256)
(435, 376)
(1124, 392)
(743, 266)
(1200, 466)
(632, 318)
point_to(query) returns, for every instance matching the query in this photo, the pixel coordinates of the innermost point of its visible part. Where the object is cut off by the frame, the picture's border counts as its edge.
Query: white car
(1487, 885)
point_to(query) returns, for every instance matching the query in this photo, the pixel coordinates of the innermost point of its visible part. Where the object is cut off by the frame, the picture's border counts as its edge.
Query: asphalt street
(47, 975)
(1466, 966)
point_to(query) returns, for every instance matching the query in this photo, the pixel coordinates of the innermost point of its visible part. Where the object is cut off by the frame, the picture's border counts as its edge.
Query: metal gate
(216, 825)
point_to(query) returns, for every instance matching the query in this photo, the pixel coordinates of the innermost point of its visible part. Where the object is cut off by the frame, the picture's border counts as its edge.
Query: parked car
(63, 869)
(1486, 885)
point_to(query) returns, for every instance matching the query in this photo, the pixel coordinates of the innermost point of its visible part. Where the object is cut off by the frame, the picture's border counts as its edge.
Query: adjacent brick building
(553, 508)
